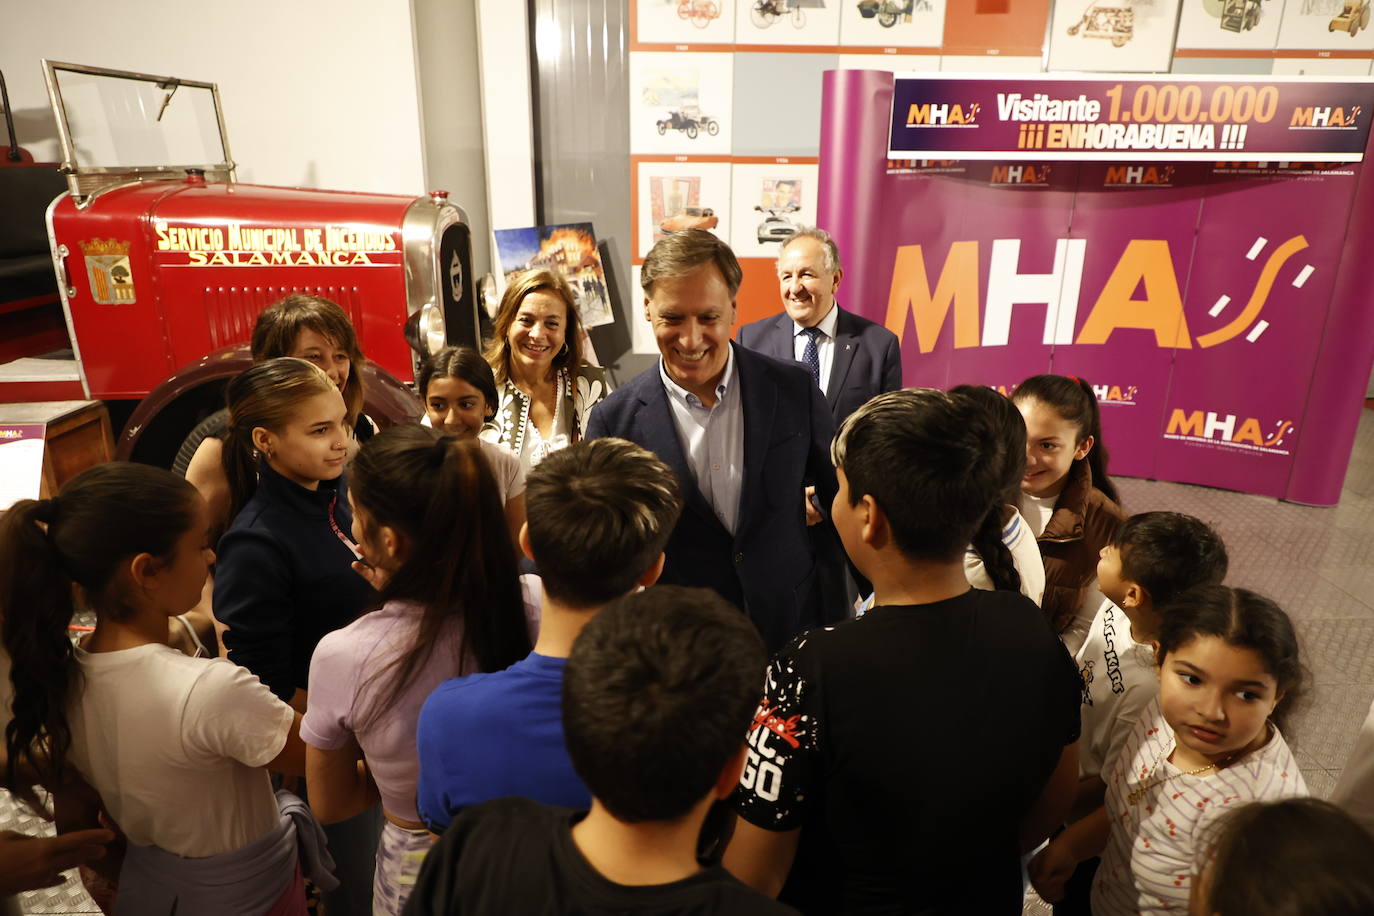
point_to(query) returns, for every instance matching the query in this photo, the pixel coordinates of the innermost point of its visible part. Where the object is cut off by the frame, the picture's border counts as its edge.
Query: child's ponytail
(439, 495)
(1011, 442)
(102, 517)
(1097, 457)
(1074, 400)
(36, 607)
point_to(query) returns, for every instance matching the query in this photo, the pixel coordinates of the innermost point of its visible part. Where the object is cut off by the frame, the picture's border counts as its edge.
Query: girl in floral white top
(1228, 657)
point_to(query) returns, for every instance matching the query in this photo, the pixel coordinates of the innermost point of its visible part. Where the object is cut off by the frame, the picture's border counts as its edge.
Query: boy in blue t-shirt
(599, 514)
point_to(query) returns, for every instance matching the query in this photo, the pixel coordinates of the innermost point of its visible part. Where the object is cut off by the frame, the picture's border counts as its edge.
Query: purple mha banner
(1219, 309)
(1200, 118)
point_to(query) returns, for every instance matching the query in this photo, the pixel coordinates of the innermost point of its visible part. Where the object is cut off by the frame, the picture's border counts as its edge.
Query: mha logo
(1229, 431)
(1021, 175)
(933, 115)
(1324, 117)
(1123, 395)
(1119, 176)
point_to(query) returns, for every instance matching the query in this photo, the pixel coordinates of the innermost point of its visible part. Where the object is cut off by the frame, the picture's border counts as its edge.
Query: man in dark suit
(854, 358)
(745, 435)
(850, 358)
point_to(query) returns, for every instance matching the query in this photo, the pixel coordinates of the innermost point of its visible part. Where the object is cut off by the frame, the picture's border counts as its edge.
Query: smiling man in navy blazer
(855, 359)
(745, 434)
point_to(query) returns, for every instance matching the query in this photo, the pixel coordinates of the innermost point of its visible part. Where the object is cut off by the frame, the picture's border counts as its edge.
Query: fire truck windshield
(118, 120)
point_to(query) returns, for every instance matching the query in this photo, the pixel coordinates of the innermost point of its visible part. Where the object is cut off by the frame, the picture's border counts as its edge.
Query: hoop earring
(563, 352)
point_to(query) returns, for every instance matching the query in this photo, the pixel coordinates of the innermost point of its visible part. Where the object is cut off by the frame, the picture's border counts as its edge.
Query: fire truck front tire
(213, 425)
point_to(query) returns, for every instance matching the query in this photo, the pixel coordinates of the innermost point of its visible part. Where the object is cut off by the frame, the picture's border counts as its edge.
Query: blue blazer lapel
(778, 341)
(846, 346)
(655, 431)
(760, 401)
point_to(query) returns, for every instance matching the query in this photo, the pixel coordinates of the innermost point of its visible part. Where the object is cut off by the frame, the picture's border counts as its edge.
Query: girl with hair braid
(1004, 554)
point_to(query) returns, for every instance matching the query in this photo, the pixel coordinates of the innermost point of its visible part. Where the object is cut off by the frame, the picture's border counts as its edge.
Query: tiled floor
(1317, 563)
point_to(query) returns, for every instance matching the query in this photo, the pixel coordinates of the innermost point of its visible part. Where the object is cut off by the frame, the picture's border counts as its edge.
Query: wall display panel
(1113, 35)
(1230, 25)
(1332, 25)
(674, 194)
(1322, 66)
(996, 27)
(786, 119)
(681, 103)
(689, 22)
(1136, 223)
(1229, 66)
(895, 63)
(769, 201)
(1266, 266)
(963, 63)
(892, 23)
(787, 23)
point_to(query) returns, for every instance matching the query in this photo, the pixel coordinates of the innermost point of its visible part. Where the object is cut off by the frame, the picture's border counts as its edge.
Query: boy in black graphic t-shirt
(656, 696)
(902, 762)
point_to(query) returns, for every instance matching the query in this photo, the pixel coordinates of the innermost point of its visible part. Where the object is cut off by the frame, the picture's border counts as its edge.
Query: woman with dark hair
(459, 393)
(425, 514)
(546, 389)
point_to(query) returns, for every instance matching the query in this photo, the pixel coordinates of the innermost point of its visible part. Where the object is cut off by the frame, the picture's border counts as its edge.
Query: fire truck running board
(31, 379)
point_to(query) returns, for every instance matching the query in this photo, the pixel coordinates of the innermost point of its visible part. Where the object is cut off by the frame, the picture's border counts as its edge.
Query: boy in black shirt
(657, 694)
(902, 762)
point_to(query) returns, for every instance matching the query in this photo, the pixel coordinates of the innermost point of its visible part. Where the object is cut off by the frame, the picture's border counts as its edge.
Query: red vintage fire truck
(163, 261)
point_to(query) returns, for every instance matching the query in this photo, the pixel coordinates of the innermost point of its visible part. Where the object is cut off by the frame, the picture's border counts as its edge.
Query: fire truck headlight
(425, 331)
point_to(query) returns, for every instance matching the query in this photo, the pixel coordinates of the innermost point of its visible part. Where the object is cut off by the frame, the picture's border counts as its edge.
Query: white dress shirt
(712, 439)
(825, 343)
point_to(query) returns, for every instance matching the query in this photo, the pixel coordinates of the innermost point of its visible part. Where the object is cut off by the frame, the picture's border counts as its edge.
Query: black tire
(691, 131)
(212, 425)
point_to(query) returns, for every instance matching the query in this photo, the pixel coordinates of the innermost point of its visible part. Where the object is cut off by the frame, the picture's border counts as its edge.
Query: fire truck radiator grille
(232, 310)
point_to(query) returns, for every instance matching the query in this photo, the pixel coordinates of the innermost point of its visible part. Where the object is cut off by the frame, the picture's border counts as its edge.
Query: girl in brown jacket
(1066, 496)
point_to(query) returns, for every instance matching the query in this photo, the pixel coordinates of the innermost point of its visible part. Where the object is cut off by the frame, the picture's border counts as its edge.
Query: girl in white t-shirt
(426, 517)
(159, 735)
(1228, 658)
(459, 391)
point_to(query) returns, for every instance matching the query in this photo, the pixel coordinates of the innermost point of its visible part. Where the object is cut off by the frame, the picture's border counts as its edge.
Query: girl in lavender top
(430, 525)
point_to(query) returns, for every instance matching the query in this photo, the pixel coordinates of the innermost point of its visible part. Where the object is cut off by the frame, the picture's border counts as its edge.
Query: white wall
(315, 93)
